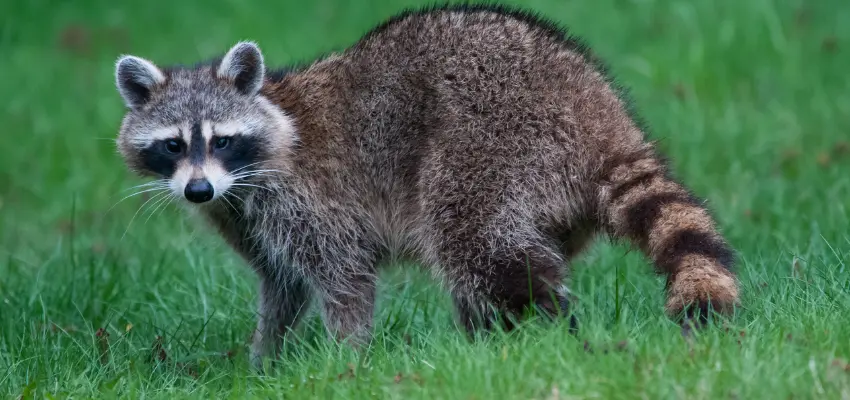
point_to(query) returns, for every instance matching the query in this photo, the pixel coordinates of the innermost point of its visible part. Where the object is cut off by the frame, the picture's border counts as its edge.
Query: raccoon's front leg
(347, 311)
(671, 226)
(345, 282)
(283, 301)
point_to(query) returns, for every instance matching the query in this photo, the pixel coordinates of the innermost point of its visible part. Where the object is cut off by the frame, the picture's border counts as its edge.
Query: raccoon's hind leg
(643, 204)
(494, 281)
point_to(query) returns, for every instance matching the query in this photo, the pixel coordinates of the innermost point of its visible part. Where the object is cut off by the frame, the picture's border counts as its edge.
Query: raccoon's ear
(243, 65)
(135, 78)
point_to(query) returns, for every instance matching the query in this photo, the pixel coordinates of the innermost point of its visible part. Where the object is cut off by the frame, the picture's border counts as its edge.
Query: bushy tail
(642, 203)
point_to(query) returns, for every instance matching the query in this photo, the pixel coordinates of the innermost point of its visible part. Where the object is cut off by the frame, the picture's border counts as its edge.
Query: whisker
(253, 173)
(156, 206)
(164, 193)
(244, 179)
(152, 183)
(224, 197)
(245, 166)
(252, 185)
(170, 200)
(259, 170)
(244, 175)
(135, 194)
(236, 191)
(228, 192)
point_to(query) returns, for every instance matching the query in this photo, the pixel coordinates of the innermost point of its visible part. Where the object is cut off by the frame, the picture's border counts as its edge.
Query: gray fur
(473, 140)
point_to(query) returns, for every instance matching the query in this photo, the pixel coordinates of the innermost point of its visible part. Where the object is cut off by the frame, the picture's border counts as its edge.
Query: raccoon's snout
(199, 191)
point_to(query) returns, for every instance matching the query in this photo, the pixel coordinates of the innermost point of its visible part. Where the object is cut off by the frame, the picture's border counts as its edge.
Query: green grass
(751, 99)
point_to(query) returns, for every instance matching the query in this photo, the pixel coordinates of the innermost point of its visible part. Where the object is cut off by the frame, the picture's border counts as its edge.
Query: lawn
(107, 298)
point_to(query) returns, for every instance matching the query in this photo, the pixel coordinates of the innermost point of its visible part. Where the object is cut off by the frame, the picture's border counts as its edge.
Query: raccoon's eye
(222, 143)
(172, 146)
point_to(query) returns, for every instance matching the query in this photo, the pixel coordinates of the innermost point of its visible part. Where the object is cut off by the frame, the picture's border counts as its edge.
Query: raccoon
(484, 142)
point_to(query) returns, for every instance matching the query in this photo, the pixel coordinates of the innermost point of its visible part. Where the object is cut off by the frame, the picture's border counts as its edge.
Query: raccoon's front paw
(261, 351)
(263, 363)
(257, 362)
(695, 293)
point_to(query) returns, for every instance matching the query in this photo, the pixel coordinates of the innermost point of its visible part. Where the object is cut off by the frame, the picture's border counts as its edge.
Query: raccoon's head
(199, 129)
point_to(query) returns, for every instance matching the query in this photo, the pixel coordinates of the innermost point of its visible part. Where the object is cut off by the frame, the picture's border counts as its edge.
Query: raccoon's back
(504, 88)
(491, 97)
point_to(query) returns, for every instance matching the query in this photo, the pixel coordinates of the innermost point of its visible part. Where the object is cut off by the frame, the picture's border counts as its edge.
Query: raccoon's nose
(198, 191)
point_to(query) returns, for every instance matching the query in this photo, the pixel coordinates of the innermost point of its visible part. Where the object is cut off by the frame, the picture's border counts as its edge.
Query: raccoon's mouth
(203, 190)
(200, 184)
